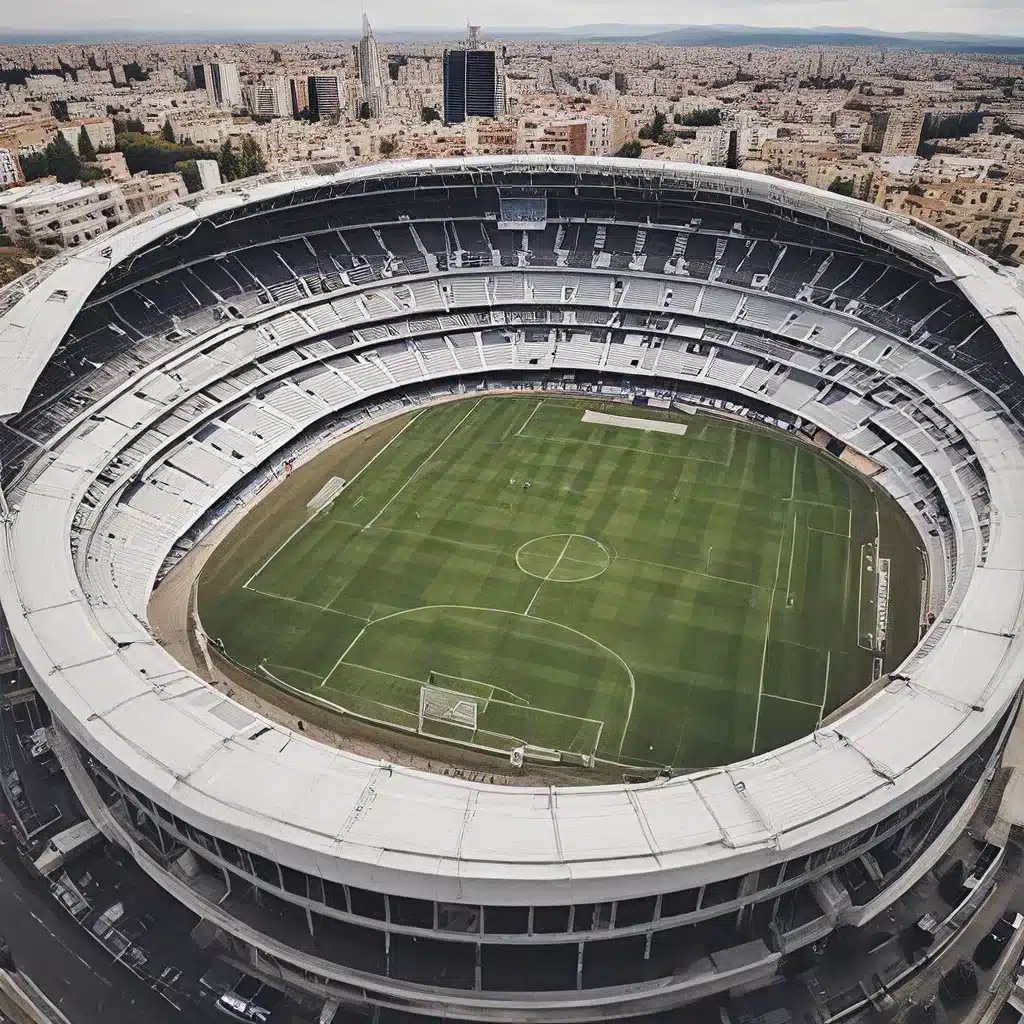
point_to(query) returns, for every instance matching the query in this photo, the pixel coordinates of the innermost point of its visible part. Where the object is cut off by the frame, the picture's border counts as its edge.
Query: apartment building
(61, 215)
(143, 191)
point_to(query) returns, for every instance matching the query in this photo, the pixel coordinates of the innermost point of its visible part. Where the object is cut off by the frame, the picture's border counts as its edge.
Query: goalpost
(446, 708)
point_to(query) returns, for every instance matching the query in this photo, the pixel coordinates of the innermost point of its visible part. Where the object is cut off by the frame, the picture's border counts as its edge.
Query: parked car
(988, 951)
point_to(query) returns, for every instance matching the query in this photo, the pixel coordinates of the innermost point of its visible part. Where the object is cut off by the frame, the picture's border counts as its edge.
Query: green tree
(228, 161)
(251, 160)
(706, 118)
(131, 126)
(167, 132)
(86, 150)
(62, 160)
(631, 149)
(655, 130)
(34, 166)
(428, 114)
(189, 171)
(841, 186)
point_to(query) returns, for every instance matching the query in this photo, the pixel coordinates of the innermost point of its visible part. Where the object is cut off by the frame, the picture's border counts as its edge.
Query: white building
(371, 77)
(61, 215)
(9, 171)
(144, 191)
(209, 173)
(271, 98)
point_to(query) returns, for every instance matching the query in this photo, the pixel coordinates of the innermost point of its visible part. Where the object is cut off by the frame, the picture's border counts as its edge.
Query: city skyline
(969, 17)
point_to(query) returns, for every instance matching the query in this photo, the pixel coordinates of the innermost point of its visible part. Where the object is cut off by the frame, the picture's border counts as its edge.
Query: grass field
(654, 598)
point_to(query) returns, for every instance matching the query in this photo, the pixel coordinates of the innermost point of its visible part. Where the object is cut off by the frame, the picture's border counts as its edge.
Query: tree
(167, 132)
(228, 161)
(428, 114)
(387, 147)
(631, 149)
(131, 126)
(189, 171)
(59, 110)
(150, 153)
(706, 118)
(62, 160)
(86, 150)
(841, 186)
(34, 166)
(251, 160)
(732, 161)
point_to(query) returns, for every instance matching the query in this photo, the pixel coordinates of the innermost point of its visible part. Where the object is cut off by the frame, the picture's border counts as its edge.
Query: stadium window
(294, 882)
(265, 869)
(614, 962)
(335, 895)
(674, 904)
(549, 920)
(768, 878)
(638, 911)
(231, 853)
(583, 917)
(367, 904)
(410, 912)
(507, 920)
(453, 917)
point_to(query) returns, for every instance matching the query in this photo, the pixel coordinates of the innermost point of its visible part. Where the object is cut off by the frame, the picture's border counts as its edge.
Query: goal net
(446, 708)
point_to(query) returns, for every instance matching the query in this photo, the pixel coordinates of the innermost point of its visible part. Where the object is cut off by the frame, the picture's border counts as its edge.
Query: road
(72, 969)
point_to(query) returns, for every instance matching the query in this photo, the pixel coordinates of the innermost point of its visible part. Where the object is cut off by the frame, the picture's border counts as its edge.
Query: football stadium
(521, 588)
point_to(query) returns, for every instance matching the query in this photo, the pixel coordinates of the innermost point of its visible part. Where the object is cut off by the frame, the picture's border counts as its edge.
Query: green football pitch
(511, 570)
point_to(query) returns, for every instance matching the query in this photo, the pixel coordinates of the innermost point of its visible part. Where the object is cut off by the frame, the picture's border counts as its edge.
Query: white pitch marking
(764, 653)
(528, 418)
(412, 476)
(824, 696)
(310, 518)
(791, 700)
(568, 541)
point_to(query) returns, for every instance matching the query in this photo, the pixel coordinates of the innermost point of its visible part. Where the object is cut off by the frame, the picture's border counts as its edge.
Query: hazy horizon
(258, 17)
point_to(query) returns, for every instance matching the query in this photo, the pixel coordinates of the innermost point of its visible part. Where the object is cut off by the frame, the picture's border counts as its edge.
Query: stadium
(609, 571)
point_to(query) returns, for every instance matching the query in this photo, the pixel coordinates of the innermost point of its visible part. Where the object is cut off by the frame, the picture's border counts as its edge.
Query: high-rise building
(299, 88)
(223, 85)
(371, 77)
(473, 85)
(324, 97)
(271, 98)
(895, 132)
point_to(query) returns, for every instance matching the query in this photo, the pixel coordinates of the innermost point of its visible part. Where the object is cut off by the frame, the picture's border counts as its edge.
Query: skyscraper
(371, 78)
(220, 82)
(324, 97)
(472, 85)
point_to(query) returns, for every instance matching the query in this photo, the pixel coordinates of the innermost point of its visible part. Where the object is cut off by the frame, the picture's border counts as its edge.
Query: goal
(446, 708)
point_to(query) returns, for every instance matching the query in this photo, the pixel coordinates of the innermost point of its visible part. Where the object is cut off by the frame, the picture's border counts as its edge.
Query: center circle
(563, 558)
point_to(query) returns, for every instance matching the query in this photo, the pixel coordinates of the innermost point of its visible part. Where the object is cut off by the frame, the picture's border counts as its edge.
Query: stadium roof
(342, 816)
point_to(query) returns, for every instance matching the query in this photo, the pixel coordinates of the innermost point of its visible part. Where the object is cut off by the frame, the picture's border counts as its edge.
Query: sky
(987, 17)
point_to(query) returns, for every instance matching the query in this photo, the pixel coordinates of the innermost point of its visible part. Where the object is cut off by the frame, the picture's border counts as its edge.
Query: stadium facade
(153, 378)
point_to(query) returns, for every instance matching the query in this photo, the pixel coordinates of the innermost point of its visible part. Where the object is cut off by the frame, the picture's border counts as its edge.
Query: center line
(550, 571)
